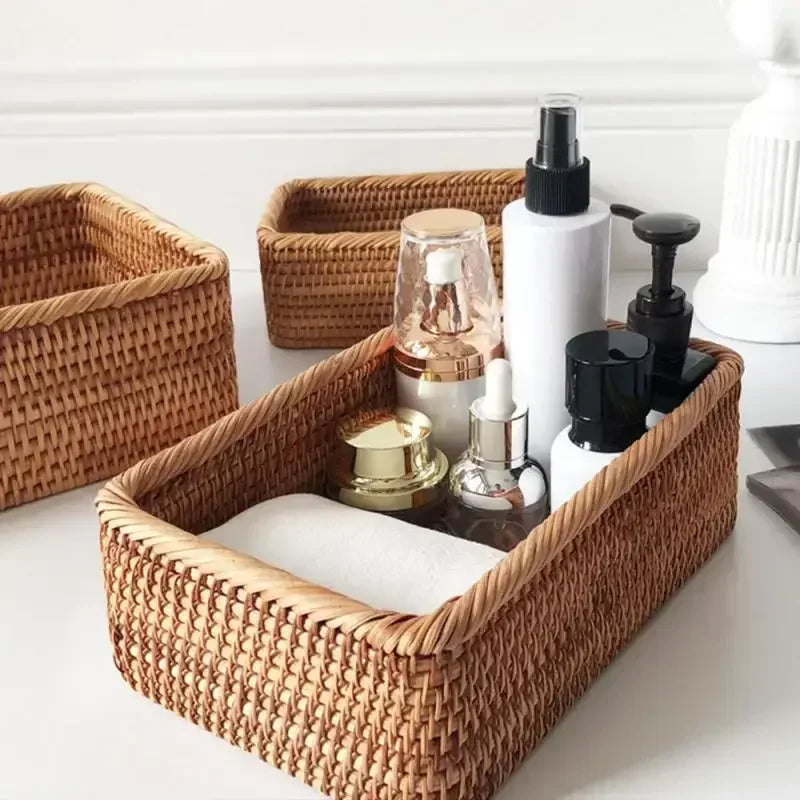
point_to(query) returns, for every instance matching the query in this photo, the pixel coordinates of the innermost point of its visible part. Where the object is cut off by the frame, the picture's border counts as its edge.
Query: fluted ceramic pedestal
(752, 288)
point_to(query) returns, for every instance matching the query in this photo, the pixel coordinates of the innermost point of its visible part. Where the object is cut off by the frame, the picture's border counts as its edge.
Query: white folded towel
(379, 560)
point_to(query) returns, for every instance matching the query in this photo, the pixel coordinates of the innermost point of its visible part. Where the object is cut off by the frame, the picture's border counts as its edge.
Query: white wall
(299, 31)
(199, 107)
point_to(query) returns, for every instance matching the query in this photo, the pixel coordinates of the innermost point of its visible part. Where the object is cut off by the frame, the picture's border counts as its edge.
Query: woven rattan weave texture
(366, 703)
(115, 338)
(329, 247)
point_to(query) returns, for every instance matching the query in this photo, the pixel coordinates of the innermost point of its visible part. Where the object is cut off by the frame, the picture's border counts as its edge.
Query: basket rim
(47, 310)
(458, 619)
(269, 233)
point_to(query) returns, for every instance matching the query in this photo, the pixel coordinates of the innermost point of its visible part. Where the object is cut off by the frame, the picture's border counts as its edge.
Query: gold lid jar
(384, 461)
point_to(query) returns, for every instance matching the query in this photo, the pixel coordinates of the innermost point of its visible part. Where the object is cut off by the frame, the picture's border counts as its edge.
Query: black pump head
(664, 232)
(660, 310)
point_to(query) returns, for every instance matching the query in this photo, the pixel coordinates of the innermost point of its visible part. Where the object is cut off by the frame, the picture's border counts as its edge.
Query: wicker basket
(329, 247)
(115, 338)
(366, 703)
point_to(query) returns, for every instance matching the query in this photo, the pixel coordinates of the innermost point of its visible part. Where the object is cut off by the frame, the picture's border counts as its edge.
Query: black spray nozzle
(557, 176)
(660, 310)
(558, 146)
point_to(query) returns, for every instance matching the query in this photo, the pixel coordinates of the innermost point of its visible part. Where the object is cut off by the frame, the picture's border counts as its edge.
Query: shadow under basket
(115, 338)
(366, 703)
(329, 247)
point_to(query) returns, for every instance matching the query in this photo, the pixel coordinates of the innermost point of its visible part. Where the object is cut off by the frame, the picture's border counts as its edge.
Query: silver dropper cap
(498, 427)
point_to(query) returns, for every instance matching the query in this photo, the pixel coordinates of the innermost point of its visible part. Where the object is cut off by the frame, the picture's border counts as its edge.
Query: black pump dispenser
(660, 310)
(557, 179)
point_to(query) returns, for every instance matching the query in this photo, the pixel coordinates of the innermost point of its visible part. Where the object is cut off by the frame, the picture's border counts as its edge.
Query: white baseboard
(205, 144)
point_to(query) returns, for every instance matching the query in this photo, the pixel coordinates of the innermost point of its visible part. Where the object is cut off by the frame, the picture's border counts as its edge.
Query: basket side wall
(319, 704)
(125, 247)
(287, 453)
(380, 204)
(43, 250)
(322, 298)
(95, 392)
(67, 238)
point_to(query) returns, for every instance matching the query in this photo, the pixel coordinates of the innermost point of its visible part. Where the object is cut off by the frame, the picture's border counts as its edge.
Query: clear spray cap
(558, 146)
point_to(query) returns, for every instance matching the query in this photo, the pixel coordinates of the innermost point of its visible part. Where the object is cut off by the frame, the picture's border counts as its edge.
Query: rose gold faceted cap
(442, 222)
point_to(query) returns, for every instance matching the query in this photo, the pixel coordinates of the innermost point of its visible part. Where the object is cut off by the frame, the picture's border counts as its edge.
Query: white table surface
(705, 702)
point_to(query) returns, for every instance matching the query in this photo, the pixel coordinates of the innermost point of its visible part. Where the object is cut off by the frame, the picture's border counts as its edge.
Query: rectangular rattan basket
(115, 338)
(362, 702)
(329, 247)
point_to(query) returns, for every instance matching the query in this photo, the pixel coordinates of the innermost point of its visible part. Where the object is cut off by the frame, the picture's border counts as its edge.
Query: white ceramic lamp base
(751, 312)
(752, 288)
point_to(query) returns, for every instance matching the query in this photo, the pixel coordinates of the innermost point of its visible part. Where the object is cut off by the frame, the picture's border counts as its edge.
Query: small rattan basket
(329, 247)
(370, 704)
(115, 338)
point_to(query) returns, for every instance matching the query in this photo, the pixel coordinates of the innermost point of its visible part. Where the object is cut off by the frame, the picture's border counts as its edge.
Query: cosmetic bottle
(608, 394)
(555, 269)
(447, 320)
(384, 461)
(497, 494)
(661, 312)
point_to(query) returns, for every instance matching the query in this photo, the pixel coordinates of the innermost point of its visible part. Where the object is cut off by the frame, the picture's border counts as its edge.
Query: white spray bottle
(555, 269)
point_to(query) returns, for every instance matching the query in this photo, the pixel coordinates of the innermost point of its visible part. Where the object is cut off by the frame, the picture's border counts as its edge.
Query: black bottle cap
(608, 388)
(557, 179)
(660, 311)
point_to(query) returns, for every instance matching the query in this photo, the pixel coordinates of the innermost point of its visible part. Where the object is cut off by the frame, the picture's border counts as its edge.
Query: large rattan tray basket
(115, 338)
(366, 703)
(329, 247)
